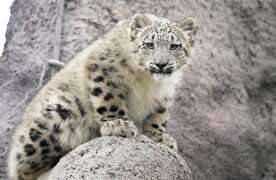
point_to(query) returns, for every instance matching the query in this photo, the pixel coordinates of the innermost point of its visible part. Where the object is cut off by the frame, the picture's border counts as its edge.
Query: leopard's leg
(155, 128)
(39, 141)
(33, 152)
(108, 99)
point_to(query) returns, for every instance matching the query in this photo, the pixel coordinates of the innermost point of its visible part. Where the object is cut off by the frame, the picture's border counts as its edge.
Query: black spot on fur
(53, 139)
(121, 96)
(57, 149)
(102, 58)
(54, 161)
(108, 96)
(63, 87)
(123, 63)
(97, 91)
(185, 51)
(155, 126)
(18, 156)
(111, 116)
(47, 114)
(113, 108)
(80, 106)
(57, 129)
(164, 124)
(161, 130)
(34, 134)
(172, 38)
(99, 79)
(107, 52)
(63, 113)
(45, 151)
(21, 138)
(121, 112)
(112, 69)
(130, 70)
(93, 67)
(161, 110)
(34, 165)
(41, 125)
(65, 99)
(105, 72)
(104, 119)
(45, 157)
(112, 84)
(29, 149)
(71, 127)
(141, 63)
(44, 143)
(101, 110)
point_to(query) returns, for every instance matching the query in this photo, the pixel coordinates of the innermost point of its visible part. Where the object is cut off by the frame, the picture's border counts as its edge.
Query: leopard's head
(163, 46)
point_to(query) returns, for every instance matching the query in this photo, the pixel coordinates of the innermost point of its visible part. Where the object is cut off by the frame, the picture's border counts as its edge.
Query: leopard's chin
(161, 76)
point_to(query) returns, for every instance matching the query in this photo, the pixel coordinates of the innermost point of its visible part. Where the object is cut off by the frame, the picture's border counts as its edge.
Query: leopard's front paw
(119, 127)
(162, 138)
(169, 141)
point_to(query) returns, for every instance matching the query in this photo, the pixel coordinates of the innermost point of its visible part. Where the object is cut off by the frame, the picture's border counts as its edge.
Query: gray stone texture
(115, 158)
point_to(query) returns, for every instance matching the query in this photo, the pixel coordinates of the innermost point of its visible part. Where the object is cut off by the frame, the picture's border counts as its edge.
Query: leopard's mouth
(165, 71)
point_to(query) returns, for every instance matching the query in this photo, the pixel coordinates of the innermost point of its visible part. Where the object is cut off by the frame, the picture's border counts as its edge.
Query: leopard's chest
(143, 99)
(146, 93)
(140, 105)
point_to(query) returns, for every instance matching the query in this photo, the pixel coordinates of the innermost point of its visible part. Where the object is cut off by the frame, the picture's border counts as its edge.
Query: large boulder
(118, 158)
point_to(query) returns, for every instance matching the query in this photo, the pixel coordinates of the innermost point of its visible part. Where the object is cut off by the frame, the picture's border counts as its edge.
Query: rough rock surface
(225, 113)
(118, 158)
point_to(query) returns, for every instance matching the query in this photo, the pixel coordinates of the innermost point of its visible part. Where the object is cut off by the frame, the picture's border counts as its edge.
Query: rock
(119, 158)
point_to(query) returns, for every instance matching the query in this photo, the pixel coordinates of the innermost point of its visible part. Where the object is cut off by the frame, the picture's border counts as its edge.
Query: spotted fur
(120, 85)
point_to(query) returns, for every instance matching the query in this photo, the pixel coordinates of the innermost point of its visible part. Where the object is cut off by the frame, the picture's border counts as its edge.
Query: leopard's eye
(150, 45)
(174, 46)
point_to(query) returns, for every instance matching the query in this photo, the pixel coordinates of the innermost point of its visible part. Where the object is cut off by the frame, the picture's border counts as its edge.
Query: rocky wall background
(225, 112)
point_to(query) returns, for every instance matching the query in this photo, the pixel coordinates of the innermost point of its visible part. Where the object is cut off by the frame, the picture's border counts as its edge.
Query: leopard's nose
(161, 66)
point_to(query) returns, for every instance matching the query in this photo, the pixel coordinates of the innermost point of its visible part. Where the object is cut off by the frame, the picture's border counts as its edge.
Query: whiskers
(155, 70)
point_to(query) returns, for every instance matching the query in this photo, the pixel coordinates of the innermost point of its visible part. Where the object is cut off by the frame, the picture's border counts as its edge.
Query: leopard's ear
(138, 22)
(189, 26)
